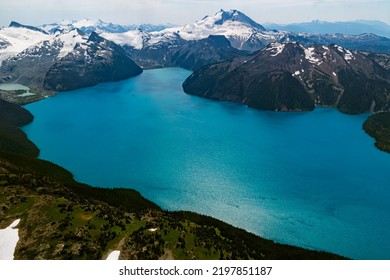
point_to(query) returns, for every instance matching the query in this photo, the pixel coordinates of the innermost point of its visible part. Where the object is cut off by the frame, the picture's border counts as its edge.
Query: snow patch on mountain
(296, 73)
(162, 37)
(310, 56)
(347, 53)
(276, 48)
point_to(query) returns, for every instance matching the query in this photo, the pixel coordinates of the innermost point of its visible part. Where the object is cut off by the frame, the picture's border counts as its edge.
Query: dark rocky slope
(101, 61)
(12, 139)
(291, 77)
(381, 58)
(190, 55)
(195, 54)
(14, 114)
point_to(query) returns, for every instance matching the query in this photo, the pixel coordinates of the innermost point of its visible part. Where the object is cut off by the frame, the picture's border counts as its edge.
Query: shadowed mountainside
(292, 77)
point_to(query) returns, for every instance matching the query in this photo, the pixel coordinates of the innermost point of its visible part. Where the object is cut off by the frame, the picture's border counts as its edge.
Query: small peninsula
(378, 127)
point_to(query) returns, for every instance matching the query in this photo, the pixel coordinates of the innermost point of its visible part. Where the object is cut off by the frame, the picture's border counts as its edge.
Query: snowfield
(9, 237)
(133, 38)
(113, 256)
(23, 41)
(19, 39)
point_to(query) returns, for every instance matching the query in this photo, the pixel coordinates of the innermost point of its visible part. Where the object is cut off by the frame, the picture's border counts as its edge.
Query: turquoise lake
(310, 179)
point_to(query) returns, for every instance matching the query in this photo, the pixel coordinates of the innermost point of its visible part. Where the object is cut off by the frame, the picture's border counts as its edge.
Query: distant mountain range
(323, 27)
(155, 49)
(72, 54)
(88, 26)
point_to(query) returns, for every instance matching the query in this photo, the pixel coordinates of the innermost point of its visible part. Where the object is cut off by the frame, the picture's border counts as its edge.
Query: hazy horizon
(38, 12)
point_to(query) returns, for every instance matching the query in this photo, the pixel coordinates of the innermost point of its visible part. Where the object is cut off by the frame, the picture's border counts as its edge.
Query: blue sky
(37, 12)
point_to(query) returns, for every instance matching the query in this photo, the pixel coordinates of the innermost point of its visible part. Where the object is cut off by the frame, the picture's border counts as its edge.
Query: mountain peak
(68, 29)
(95, 38)
(19, 25)
(234, 15)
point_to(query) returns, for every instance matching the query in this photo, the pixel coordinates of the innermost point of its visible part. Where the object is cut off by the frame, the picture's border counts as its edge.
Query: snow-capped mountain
(139, 39)
(232, 24)
(243, 34)
(85, 25)
(63, 60)
(14, 40)
(290, 77)
(322, 27)
(88, 26)
(27, 53)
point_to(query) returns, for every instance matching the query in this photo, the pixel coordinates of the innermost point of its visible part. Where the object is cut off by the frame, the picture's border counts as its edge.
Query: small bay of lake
(311, 179)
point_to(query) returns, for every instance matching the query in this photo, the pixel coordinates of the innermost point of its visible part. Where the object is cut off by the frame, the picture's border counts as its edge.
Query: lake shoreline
(161, 200)
(28, 196)
(21, 95)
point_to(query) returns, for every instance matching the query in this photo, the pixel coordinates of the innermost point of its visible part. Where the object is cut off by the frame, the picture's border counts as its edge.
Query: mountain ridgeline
(323, 27)
(291, 77)
(190, 55)
(95, 61)
(64, 60)
(57, 57)
(157, 48)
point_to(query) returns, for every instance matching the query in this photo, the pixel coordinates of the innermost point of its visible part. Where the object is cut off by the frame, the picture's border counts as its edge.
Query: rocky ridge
(64, 60)
(292, 77)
